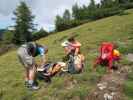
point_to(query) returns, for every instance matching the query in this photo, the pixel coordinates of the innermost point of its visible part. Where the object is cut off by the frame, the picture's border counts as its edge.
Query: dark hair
(115, 46)
(79, 52)
(71, 39)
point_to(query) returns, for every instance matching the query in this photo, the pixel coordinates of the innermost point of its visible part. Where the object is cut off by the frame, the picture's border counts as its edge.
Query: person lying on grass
(50, 69)
(26, 54)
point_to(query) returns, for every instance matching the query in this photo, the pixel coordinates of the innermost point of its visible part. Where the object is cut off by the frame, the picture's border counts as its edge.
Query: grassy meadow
(118, 29)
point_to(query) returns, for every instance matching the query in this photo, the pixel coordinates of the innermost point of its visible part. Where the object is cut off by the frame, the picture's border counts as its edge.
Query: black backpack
(71, 65)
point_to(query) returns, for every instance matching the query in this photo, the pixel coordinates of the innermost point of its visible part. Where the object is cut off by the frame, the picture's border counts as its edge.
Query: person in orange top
(72, 50)
(73, 46)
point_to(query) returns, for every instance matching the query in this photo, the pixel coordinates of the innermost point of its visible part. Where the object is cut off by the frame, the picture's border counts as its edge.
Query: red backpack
(106, 48)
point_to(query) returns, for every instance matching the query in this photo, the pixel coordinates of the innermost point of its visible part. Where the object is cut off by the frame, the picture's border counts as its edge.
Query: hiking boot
(35, 83)
(33, 86)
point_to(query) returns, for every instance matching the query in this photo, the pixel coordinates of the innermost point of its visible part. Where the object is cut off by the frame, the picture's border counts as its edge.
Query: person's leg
(31, 74)
(78, 67)
(26, 74)
(110, 65)
(29, 60)
(67, 50)
(26, 77)
(22, 61)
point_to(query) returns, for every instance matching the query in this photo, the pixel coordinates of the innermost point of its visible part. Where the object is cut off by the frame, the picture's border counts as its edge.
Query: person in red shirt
(106, 55)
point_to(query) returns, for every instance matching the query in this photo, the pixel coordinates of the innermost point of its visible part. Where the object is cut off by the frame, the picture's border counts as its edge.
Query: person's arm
(77, 51)
(43, 60)
(77, 46)
(43, 56)
(67, 50)
(82, 58)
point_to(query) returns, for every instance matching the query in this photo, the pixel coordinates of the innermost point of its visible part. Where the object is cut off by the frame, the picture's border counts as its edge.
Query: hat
(64, 44)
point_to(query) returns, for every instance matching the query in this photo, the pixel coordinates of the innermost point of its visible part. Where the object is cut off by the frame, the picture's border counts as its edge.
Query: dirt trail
(110, 86)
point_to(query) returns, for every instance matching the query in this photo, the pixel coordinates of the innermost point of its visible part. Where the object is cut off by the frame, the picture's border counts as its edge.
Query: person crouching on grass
(71, 47)
(26, 54)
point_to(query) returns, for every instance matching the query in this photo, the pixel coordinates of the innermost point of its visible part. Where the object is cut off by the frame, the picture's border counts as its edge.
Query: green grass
(128, 89)
(69, 87)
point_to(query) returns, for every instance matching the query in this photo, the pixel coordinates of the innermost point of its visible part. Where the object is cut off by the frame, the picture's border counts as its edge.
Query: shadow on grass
(1, 94)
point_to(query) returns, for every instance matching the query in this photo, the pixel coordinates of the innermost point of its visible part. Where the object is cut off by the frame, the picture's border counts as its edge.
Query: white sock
(30, 82)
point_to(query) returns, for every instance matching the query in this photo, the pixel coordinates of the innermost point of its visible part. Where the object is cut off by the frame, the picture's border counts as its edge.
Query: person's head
(115, 46)
(71, 39)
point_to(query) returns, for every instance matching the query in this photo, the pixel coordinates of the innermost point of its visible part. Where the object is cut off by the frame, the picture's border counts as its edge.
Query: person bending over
(26, 54)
